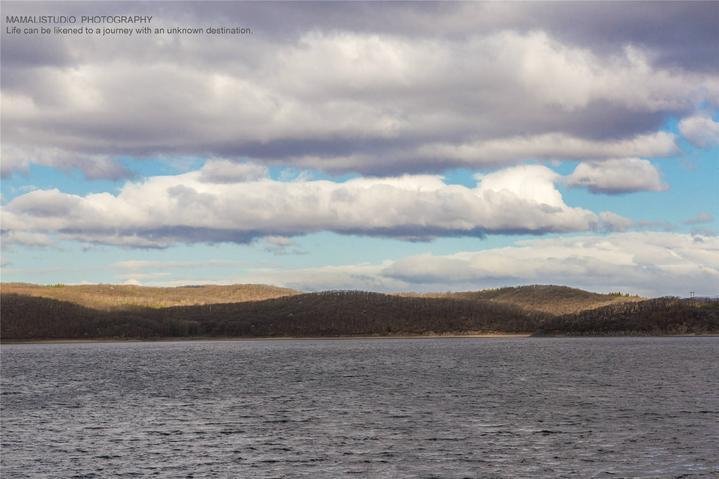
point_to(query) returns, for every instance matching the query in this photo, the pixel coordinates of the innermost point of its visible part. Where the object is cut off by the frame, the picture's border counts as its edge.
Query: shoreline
(268, 338)
(342, 338)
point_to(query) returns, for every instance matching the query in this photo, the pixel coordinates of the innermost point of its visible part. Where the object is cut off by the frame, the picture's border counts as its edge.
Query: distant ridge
(545, 298)
(656, 316)
(353, 313)
(115, 296)
(334, 313)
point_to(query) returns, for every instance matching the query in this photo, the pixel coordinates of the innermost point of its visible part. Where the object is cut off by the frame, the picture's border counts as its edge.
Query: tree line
(344, 313)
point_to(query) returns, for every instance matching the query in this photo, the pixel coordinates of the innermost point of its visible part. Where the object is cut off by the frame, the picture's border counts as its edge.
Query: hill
(317, 314)
(110, 296)
(332, 314)
(660, 316)
(549, 299)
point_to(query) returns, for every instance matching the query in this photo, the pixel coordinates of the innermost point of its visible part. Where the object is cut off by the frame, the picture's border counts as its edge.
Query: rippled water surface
(610, 407)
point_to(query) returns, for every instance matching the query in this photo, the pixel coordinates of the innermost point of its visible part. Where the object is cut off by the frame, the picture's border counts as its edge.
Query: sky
(376, 146)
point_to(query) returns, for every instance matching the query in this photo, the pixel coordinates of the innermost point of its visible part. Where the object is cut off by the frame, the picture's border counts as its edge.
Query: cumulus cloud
(646, 263)
(701, 130)
(348, 90)
(651, 264)
(616, 176)
(188, 208)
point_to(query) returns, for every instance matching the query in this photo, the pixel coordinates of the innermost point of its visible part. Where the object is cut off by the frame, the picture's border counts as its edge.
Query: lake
(449, 408)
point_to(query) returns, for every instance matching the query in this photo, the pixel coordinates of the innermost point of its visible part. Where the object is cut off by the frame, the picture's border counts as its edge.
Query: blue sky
(511, 144)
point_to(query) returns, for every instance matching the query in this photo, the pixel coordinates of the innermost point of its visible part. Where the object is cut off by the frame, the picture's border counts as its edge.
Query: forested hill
(659, 316)
(546, 298)
(332, 314)
(317, 314)
(113, 296)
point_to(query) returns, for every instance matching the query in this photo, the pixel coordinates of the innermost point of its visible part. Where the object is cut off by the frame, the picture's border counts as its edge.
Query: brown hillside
(337, 313)
(108, 296)
(327, 314)
(550, 299)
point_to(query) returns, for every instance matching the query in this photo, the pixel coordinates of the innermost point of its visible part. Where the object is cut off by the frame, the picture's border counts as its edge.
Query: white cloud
(550, 146)
(353, 101)
(615, 176)
(701, 130)
(647, 263)
(614, 222)
(186, 208)
(498, 151)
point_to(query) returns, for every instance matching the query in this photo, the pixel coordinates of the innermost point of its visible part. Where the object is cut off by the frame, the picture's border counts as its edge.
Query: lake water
(604, 407)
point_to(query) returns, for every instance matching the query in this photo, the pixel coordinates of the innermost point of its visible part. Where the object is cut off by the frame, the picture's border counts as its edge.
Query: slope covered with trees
(318, 314)
(660, 316)
(112, 296)
(332, 314)
(546, 298)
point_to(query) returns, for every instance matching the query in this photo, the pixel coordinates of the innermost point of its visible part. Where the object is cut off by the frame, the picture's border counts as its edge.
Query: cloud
(701, 218)
(280, 245)
(158, 272)
(550, 146)
(366, 276)
(18, 160)
(651, 264)
(616, 176)
(701, 130)
(26, 238)
(224, 171)
(187, 208)
(680, 34)
(156, 265)
(351, 91)
(495, 152)
(646, 263)
(654, 225)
